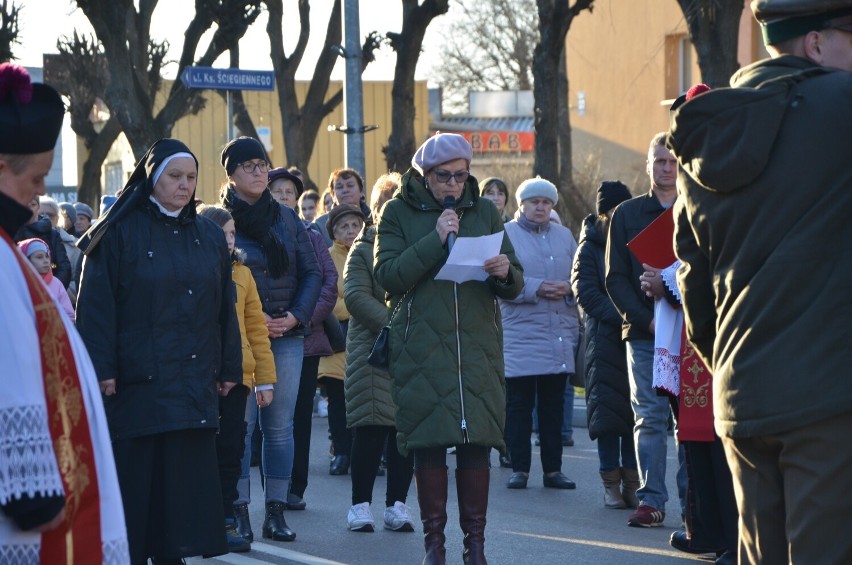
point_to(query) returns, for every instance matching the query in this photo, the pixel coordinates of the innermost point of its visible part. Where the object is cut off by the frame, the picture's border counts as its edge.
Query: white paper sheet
(468, 256)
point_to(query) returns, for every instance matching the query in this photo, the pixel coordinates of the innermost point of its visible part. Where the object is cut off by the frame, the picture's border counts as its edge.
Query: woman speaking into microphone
(446, 357)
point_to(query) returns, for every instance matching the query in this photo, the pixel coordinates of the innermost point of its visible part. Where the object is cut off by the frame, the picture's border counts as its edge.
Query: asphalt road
(535, 525)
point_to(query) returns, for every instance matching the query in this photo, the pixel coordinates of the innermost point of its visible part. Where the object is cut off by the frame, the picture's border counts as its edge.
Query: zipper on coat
(407, 318)
(496, 325)
(463, 423)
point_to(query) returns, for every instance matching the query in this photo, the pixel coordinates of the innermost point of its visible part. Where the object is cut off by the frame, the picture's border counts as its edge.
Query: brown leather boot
(612, 489)
(472, 486)
(432, 498)
(629, 486)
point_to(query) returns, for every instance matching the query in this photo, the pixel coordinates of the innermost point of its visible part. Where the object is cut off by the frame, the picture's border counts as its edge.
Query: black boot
(242, 522)
(472, 487)
(339, 465)
(432, 498)
(274, 526)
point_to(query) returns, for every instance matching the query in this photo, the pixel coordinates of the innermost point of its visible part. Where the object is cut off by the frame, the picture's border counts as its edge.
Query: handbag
(380, 353)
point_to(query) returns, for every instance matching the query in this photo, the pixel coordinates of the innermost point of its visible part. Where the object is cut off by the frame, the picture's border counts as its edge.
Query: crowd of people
(151, 344)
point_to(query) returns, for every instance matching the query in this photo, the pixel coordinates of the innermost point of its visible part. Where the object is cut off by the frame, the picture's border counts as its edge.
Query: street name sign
(227, 79)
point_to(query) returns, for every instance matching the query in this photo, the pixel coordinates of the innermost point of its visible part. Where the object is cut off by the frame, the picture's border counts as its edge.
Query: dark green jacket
(763, 230)
(367, 389)
(443, 400)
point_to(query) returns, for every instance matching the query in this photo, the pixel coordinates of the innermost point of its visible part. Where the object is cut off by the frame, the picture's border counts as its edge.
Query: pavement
(534, 525)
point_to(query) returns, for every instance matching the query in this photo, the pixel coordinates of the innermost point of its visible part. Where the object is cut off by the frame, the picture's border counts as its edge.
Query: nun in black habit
(156, 312)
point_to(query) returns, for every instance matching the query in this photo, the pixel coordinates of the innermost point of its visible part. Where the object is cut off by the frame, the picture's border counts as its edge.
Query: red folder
(655, 244)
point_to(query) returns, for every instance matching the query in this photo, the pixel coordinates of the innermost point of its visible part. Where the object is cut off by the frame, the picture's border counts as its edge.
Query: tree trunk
(407, 44)
(546, 108)
(571, 206)
(714, 31)
(550, 91)
(89, 190)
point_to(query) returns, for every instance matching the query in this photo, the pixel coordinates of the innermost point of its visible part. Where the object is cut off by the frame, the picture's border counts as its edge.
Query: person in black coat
(610, 417)
(282, 260)
(42, 228)
(156, 312)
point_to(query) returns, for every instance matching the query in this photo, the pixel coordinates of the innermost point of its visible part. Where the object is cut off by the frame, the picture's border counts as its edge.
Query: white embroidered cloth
(668, 325)
(27, 460)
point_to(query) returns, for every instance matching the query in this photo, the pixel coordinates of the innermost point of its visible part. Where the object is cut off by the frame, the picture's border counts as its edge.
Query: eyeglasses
(444, 176)
(250, 167)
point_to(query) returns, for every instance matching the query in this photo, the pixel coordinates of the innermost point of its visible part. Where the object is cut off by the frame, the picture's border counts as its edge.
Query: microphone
(450, 204)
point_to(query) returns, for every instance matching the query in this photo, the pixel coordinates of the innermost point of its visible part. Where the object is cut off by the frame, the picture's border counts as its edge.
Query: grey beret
(440, 148)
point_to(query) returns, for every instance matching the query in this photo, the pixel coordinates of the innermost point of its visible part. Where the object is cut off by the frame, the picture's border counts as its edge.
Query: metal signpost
(227, 79)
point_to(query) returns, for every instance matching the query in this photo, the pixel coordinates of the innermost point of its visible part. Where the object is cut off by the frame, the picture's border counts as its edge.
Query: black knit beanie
(240, 150)
(611, 193)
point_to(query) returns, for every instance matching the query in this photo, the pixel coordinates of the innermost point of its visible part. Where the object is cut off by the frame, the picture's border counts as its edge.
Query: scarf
(258, 221)
(532, 226)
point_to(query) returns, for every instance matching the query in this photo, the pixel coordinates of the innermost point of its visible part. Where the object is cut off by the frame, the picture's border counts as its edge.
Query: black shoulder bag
(380, 353)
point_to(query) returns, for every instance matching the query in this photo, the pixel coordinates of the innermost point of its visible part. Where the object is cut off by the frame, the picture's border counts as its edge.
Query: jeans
(276, 423)
(521, 394)
(650, 432)
(616, 451)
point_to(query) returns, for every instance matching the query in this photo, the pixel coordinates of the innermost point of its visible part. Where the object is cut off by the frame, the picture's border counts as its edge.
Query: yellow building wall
(207, 132)
(624, 62)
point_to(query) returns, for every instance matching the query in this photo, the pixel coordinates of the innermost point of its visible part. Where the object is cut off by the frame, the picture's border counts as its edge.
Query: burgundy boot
(472, 486)
(432, 498)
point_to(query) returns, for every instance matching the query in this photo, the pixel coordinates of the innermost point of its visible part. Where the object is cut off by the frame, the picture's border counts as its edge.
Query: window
(114, 177)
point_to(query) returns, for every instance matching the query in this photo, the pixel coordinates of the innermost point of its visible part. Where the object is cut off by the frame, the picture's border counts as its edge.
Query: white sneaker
(322, 408)
(360, 518)
(397, 518)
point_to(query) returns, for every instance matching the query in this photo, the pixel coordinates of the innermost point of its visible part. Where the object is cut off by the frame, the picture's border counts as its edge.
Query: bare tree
(81, 73)
(714, 31)
(135, 60)
(555, 18)
(489, 46)
(301, 123)
(9, 30)
(407, 44)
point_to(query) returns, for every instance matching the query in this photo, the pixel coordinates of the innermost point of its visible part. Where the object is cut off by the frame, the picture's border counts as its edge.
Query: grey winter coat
(539, 335)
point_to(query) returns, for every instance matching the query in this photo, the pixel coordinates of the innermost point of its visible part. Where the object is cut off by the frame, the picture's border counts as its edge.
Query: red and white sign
(500, 141)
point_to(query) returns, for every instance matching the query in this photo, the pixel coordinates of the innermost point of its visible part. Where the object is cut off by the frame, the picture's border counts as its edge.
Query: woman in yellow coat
(344, 224)
(258, 375)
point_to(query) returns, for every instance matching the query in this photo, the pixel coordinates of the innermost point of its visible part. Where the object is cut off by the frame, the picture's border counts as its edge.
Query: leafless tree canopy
(9, 30)
(407, 44)
(489, 46)
(301, 124)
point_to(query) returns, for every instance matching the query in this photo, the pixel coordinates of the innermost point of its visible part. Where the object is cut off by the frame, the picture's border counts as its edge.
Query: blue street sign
(227, 79)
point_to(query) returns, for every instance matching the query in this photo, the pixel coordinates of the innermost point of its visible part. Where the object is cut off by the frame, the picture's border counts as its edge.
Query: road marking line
(607, 545)
(269, 549)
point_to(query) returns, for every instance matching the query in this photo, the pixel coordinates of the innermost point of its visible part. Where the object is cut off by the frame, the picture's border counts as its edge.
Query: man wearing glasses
(763, 231)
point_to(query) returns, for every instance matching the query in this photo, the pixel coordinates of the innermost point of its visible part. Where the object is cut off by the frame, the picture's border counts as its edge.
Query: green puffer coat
(367, 389)
(443, 400)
